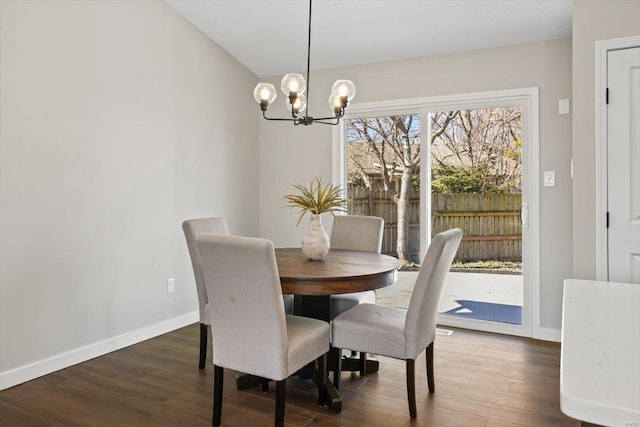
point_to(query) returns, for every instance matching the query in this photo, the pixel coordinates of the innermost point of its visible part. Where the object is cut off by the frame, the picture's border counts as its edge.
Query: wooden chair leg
(322, 379)
(280, 397)
(363, 363)
(429, 357)
(204, 333)
(411, 387)
(338, 369)
(218, 373)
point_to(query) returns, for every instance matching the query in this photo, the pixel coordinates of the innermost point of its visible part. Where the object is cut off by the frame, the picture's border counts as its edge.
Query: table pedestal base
(246, 381)
(333, 401)
(352, 364)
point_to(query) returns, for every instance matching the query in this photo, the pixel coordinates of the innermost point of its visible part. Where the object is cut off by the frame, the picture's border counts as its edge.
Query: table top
(600, 357)
(340, 272)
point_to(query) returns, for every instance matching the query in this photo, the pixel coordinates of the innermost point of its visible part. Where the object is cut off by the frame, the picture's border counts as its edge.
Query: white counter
(600, 360)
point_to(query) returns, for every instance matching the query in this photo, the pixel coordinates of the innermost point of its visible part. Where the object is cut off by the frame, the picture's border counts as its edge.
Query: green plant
(316, 198)
(447, 179)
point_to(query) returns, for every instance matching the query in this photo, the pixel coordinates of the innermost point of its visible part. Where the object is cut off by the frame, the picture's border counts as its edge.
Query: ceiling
(270, 36)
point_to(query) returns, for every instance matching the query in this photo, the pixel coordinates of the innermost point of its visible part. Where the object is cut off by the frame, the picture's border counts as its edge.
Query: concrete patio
(503, 289)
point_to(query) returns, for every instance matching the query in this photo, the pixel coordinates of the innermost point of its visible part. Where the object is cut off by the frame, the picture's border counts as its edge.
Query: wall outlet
(171, 285)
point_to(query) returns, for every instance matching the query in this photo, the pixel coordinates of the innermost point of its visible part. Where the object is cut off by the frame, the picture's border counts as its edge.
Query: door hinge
(606, 96)
(607, 219)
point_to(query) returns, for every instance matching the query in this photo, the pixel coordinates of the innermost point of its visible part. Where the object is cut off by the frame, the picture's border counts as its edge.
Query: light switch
(549, 178)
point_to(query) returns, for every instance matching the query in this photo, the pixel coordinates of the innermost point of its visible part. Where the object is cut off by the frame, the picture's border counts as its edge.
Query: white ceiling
(270, 36)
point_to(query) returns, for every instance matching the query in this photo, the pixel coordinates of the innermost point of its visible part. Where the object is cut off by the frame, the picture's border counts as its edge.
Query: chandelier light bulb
(293, 83)
(264, 93)
(335, 104)
(344, 89)
(298, 105)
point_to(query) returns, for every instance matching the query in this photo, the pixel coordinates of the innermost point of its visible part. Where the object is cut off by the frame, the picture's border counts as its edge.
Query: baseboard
(43, 367)
(548, 334)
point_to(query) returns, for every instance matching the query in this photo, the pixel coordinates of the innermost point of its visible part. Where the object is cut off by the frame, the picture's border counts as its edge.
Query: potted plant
(316, 198)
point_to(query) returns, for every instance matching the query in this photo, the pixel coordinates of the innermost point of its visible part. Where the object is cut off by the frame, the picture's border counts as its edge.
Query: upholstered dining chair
(355, 233)
(250, 331)
(192, 229)
(399, 333)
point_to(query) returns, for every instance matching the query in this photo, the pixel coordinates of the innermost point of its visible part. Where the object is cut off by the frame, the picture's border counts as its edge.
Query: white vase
(315, 243)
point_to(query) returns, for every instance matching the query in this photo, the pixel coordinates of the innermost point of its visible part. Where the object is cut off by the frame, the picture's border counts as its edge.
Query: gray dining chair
(192, 229)
(250, 331)
(396, 332)
(355, 233)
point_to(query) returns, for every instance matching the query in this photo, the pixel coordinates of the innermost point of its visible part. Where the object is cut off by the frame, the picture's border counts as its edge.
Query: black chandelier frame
(306, 119)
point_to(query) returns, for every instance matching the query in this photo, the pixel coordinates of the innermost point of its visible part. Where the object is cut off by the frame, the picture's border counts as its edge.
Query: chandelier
(293, 86)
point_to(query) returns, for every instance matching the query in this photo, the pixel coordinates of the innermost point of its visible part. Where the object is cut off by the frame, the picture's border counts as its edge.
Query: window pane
(383, 178)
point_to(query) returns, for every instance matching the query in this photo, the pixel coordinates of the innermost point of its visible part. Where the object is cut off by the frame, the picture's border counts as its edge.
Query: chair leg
(322, 379)
(363, 363)
(280, 397)
(338, 369)
(204, 333)
(411, 387)
(218, 373)
(429, 357)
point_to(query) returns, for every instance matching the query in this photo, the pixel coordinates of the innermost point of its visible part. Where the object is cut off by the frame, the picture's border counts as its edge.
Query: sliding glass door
(428, 165)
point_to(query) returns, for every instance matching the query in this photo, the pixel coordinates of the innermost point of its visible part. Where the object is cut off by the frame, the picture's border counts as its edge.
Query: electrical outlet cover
(549, 178)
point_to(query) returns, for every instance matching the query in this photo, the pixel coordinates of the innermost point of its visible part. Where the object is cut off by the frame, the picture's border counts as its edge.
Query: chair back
(420, 324)
(357, 233)
(192, 229)
(248, 324)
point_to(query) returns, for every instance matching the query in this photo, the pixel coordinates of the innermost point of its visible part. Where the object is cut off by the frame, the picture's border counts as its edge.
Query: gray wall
(291, 155)
(593, 20)
(119, 120)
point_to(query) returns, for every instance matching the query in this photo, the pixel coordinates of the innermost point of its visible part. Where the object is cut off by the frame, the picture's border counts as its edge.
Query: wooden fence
(490, 222)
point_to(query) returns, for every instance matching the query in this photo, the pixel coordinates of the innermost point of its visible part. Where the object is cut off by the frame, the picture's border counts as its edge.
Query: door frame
(527, 98)
(603, 47)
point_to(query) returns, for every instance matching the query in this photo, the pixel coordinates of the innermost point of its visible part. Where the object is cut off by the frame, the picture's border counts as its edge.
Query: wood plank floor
(481, 380)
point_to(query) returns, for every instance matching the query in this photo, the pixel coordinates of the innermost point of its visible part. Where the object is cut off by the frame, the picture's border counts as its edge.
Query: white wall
(593, 20)
(119, 121)
(291, 155)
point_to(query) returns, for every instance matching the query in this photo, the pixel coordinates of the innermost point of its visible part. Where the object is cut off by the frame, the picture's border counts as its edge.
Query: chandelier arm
(337, 117)
(327, 120)
(264, 115)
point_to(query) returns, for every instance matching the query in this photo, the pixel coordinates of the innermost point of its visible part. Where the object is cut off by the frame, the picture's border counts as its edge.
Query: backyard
(474, 184)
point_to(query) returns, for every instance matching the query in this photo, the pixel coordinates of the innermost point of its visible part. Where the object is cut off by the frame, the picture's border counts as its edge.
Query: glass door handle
(524, 215)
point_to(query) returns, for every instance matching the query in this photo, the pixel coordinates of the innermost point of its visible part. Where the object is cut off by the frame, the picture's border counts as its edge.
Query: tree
(390, 146)
(477, 150)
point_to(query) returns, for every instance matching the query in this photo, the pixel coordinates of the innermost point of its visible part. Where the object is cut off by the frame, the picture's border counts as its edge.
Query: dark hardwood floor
(481, 380)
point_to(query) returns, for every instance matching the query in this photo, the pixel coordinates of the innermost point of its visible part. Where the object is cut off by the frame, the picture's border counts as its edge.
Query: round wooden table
(313, 282)
(341, 272)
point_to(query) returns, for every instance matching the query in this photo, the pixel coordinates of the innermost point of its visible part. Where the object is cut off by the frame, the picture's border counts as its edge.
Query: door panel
(623, 184)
